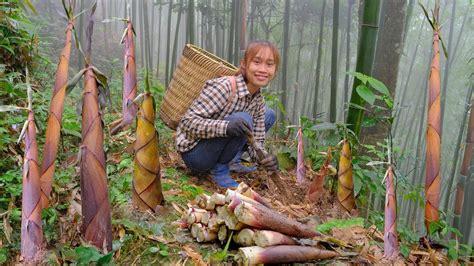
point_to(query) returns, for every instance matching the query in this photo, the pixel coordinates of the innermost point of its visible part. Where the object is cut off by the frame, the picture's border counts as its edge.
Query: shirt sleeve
(200, 121)
(259, 128)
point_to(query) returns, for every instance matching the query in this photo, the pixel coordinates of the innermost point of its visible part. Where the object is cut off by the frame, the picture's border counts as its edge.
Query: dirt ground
(356, 244)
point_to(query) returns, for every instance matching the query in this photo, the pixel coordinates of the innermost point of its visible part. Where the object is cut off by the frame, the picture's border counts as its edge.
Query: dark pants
(210, 152)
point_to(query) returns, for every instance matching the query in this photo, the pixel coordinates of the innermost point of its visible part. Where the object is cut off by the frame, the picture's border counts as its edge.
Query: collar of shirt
(242, 90)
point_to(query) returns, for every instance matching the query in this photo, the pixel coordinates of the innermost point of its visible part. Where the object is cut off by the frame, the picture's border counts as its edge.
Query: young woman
(213, 132)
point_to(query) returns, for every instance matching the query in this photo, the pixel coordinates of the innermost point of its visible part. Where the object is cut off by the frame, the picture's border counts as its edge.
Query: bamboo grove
(312, 176)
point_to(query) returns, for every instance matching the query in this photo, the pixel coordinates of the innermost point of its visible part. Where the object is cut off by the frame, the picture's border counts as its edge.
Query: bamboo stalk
(262, 217)
(31, 227)
(345, 188)
(266, 238)
(55, 115)
(244, 237)
(282, 254)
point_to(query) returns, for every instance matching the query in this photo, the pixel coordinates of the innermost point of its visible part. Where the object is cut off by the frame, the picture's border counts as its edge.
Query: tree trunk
(158, 50)
(387, 59)
(335, 34)
(466, 168)
(286, 51)
(318, 64)
(348, 55)
(168, 45)
(190, 24)
(146, 32)
(365, 59)
(176, 36)
(447, 65)
(236, 54)
(230, 45)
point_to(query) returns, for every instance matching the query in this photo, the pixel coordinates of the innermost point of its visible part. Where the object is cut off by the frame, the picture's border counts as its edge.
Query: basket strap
(233, 92)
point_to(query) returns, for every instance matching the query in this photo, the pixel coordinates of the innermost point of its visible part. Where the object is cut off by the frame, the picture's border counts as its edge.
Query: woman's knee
(270, 118)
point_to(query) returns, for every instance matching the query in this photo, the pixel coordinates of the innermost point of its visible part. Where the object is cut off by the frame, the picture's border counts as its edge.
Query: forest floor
(144, 238)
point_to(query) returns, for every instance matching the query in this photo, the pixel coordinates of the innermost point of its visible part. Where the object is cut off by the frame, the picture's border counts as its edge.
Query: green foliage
(161, 249)
(18, 41)
(86, 255)
(339, 223)
(140, 228)
(3, 255)
(220, 256)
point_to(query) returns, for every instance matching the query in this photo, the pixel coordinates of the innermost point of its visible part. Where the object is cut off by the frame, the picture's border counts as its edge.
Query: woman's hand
(270, 163)
(238, 127)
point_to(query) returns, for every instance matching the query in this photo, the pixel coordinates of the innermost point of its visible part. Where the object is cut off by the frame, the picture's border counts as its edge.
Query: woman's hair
(254, 47)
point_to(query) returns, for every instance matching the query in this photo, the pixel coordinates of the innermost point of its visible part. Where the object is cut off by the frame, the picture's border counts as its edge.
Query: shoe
(221, 175)
(236, 165)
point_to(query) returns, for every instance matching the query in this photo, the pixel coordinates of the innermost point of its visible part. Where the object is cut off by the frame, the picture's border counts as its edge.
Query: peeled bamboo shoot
(244, 237)
(282, 254)
(266, 238)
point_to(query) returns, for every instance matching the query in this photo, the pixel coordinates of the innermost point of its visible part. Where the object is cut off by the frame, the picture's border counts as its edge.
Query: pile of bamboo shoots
(252, 223)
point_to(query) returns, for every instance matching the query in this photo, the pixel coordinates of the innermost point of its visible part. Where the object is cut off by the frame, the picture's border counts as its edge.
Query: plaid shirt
(204, 118)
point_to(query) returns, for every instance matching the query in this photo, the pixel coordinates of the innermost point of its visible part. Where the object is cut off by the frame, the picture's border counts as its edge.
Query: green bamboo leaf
(324, 126)
(359, 76)
(326, 227)
(426, 15)
(23, 132)
(8, 48)
(72, 83)
(378, 85)
(80, 13)
(366, 94)
(32, 8)
(356, 106)
(444, 47)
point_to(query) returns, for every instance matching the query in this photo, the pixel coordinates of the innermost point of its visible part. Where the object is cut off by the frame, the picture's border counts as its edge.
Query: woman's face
(260, 70)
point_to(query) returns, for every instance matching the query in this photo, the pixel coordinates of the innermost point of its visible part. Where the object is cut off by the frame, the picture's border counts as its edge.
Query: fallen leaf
(7, 229)
(160, 239)
(195, 257)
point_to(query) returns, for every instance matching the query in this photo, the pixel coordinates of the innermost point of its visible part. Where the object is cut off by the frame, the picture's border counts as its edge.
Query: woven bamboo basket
(195, 67)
